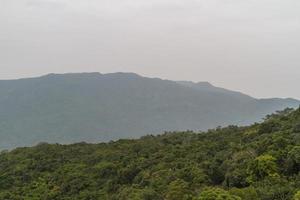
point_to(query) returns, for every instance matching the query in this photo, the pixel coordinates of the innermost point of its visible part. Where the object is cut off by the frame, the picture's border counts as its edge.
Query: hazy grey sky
(248, 45)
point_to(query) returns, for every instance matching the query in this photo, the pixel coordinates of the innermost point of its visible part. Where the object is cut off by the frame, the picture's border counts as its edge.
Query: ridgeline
(94, 107)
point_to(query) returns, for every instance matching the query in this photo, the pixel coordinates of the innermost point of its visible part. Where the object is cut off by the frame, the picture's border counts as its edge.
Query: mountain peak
(195, 84)
(101, 107)
(51, 75)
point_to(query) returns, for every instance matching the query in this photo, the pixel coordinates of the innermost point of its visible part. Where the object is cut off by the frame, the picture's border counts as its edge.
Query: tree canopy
(261, 162)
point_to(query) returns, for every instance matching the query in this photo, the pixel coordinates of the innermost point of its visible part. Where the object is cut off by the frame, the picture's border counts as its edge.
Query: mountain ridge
(95, 107)
(132, 74)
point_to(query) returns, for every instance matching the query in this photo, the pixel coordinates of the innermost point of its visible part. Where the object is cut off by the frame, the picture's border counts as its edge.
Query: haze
(251, 46)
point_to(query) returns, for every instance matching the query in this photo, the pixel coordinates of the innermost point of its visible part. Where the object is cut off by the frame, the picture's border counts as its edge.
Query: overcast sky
(251, 46)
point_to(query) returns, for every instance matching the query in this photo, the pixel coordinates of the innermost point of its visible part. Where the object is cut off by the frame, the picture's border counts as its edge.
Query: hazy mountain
(96, 107)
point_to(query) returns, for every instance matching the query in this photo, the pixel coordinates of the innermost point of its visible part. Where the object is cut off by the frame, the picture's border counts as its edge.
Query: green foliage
(276, 188)
(217, 194)
(263, 166)
(297, 196)
(138, 194)
(226, 163)
(177, 190)
(248, 193)
(293, 160)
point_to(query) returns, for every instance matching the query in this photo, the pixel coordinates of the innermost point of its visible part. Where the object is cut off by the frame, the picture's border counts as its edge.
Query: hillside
(96, 107)
(259, 162)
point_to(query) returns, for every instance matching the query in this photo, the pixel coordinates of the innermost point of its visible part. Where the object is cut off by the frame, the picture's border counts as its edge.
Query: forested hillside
(261, 161)
(94, 107)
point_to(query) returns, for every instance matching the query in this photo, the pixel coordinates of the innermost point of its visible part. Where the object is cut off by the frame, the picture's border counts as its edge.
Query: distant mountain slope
(97, 107)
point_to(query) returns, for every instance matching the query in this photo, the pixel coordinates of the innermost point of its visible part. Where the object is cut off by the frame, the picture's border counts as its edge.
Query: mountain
(258, 162)
(93, 107)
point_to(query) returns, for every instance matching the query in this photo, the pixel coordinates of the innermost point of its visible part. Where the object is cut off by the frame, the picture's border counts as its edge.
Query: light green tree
(216, 194)
(263, 166)
(297, 195)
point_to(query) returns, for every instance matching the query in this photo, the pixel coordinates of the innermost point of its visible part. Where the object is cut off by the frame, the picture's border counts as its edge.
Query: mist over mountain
(96, 107)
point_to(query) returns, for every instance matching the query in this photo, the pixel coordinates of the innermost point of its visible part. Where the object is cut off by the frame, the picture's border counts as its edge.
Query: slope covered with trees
(261, 161)
(96, 107)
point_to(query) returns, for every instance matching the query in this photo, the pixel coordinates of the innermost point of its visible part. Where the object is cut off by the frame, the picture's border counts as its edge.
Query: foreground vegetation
(261, 161)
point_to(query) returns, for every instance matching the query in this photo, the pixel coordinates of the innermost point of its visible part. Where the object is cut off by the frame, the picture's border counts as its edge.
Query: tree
(294, 156)
(217, 194)
(297, 195)
(248, 193)
(263, 166)
(133, 193)
(177, 190)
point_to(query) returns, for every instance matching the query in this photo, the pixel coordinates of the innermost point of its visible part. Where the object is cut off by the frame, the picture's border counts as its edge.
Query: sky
(252, 46)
